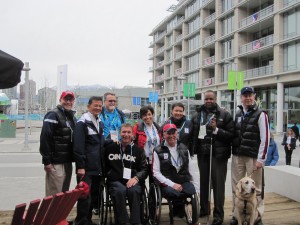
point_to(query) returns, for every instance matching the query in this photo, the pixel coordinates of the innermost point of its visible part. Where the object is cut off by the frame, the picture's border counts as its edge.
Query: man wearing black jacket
(89, 157)
(213, 131)
(126, 169)
(56, 145)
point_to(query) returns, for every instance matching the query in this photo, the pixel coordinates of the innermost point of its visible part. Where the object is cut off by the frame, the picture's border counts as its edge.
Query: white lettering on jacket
(118, 157)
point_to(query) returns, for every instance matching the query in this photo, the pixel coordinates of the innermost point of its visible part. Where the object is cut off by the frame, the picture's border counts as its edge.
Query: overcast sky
(102, 42)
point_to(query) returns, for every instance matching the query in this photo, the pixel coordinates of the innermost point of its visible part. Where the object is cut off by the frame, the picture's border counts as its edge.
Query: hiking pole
(209, 182)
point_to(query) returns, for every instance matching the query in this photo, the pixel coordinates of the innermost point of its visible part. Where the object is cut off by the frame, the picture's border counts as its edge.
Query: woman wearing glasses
(147, 135)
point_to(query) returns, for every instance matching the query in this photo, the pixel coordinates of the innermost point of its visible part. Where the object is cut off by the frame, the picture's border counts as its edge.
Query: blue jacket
(88, 148)
(272, 156)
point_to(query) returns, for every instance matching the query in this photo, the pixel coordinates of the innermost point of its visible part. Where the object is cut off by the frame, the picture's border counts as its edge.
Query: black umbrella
(10, 70)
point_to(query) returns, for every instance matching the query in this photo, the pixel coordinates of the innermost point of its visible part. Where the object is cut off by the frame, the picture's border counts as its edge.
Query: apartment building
(201, 40)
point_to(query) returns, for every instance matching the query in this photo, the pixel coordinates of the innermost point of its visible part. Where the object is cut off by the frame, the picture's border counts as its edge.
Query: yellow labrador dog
(246, 201)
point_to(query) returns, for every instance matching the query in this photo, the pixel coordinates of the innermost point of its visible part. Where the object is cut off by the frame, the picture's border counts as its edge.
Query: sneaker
(95, 211)
(233, 221)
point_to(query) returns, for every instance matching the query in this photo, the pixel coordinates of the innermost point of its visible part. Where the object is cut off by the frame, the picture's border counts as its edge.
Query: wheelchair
(107, 213)
(191, 204)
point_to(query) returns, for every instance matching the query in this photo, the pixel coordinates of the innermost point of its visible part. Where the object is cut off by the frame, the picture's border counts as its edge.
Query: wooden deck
(279, 210)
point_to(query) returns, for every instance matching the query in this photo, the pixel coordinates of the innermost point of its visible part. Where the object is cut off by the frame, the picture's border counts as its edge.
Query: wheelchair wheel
(103, 205)
(191, 210)
(144, 207)
(154, 204)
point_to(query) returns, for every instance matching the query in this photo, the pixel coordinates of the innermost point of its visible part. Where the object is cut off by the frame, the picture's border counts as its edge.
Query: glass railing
(178, 38)
(290, 2)
(161, 49)
(257, 44)
(209, 18)
(209, 39)
(159, 78)
(260, 71)
(159, 64)
(209, 61)
(257, 16)
(178, 55)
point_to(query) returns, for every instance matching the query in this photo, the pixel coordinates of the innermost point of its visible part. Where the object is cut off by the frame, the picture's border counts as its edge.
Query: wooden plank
(76, 193)
(42, 210)
(31, 211)
(54, 206)
(62, 208)
(18, 214)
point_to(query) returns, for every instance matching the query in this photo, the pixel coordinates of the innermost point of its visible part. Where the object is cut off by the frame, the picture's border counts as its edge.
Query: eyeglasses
(112, 101)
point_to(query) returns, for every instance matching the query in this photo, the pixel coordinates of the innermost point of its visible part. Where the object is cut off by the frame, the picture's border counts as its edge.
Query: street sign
(153, 97)
(189, 90)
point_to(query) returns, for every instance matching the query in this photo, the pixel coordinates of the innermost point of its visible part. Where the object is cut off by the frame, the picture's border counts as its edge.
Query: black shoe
(217, 222)
(233, 221)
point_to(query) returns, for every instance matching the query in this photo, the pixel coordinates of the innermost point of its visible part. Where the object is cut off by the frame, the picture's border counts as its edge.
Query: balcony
(209, 18)
(208, 81)
(178, 55)
(150, 69)
(260, 71)
(161, 49)
(209, 39)
(208, 61)
(159, 64)
(159, 78)
(257, 16)
(257, 44)
(162, 34)
(291, 2)
(151, 56)
(178, 38)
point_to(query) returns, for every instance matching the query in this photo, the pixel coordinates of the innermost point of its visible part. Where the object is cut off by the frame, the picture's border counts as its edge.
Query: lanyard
(179, 130)
(111, 123)
(150, 141)
(121, 153)
(175, 161)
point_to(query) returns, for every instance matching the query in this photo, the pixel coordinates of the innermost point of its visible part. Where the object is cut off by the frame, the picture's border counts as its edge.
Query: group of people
(104, 146)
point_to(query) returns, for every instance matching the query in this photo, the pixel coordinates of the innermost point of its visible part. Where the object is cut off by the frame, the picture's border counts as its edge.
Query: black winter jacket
(247, 135)
(221, 142)
(89, 146)
(166, 167)
(56, 136)
(186, 132)
(114, 163)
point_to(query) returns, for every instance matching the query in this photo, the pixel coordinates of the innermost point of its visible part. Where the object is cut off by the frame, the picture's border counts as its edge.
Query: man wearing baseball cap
(56, 144)
(173, 169)
(249, 147)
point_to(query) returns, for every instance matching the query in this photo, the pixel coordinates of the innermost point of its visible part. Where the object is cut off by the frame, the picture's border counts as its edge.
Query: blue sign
(153, 97)
(136, 101)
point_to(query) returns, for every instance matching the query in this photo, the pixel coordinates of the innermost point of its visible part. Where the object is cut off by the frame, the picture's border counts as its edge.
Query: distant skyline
(101, 42)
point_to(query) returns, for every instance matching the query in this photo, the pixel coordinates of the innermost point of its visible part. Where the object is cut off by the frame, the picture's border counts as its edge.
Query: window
(227, 5)
(227, 48)
(194, 43)
(227, 25)
(193, 62)
(291, 53)
(193, 7)
(291, 24)
(194, 24)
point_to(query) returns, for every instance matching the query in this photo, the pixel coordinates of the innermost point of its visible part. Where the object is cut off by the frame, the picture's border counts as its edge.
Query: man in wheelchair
(126, 170)
(172, 168)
